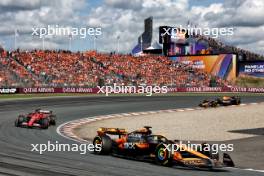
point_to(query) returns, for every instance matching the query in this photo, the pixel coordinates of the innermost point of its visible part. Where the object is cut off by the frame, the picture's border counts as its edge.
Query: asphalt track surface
(16, 157)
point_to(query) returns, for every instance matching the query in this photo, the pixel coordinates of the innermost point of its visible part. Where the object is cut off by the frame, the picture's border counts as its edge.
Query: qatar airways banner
(217, 89)
(168, 90)
(58, 90)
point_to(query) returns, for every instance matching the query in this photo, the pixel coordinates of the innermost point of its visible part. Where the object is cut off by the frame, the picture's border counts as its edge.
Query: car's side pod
(227, 161)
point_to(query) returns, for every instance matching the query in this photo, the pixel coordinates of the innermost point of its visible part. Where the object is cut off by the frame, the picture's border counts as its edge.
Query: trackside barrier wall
(96, 90)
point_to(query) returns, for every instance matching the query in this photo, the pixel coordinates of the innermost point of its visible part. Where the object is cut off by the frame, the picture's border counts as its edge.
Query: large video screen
(252, 68)
(169, 34)
(223, 65)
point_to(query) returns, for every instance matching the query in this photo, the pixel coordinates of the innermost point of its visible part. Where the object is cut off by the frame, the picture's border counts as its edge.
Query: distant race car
(143, 145)
(40, 118)
(208, 103)
(226, 100)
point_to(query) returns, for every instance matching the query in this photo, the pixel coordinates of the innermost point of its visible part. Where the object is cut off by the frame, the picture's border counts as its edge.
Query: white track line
(248, 169)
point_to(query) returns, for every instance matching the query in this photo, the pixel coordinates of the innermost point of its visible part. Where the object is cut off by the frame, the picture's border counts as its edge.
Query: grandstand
(65, 69)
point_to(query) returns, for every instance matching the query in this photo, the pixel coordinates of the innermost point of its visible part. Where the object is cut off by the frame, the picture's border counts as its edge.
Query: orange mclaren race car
(224, 101)
(143, 145)
(208, 103)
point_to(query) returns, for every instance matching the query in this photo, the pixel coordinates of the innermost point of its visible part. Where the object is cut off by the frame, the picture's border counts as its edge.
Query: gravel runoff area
(212, 124)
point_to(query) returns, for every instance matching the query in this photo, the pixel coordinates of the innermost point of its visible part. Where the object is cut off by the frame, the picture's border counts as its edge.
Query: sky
(124, 18)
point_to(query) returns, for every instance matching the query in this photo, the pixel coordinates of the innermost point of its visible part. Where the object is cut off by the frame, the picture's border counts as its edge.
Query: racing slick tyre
(210, 153)
(44, 123)
(200, 105)
(214, 104)
(52, 120)
(163, 156)
(16, 123)
(106, 145)
(237, 102)
(19, 121)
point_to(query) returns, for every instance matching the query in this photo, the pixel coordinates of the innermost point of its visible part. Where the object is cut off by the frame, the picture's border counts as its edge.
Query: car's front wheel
(238, 102)
(53, 120)
(163, 156)
(17, 123)
(214, 104)
(44, 123)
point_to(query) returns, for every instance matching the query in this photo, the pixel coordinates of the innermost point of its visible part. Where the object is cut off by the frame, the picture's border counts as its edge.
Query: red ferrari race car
(40, 118)
(143, 145)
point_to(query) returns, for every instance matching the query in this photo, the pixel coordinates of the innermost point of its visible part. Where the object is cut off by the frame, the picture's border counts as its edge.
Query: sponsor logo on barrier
(8, 91)
(204, 89)
(77, 90)
(39, 90)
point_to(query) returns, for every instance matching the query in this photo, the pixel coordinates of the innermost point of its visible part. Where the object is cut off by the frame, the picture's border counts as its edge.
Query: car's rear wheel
(214, 104)
(201, 105)
(102, 145)
(44, 123)
(210, 151)
(163, 156)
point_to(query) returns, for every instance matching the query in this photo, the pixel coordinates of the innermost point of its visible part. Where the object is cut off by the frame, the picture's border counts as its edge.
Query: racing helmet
(37, 110)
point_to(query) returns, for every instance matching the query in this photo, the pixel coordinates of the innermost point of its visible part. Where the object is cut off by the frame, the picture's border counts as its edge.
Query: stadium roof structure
(136, 50)
(145, 39)
(154, 45)
(154, 48)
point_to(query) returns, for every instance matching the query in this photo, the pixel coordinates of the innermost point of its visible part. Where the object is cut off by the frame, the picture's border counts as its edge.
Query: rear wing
(113, 131)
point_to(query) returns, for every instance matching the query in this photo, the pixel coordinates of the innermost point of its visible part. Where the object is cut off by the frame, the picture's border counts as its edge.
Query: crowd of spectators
(66, 69)
(12, 74)
(150, 70)
(60, 68)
